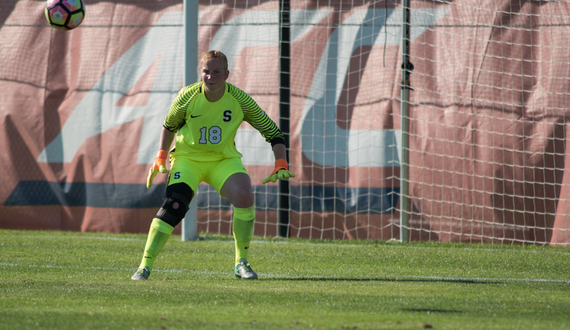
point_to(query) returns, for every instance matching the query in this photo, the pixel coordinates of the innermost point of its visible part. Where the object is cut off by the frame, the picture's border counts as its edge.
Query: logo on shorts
(192, 116)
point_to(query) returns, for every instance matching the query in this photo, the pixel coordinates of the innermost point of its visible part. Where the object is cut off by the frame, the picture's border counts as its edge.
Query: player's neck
(215, 95)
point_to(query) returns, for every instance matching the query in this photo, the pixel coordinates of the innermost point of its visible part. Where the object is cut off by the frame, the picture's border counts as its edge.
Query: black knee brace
(175, 206)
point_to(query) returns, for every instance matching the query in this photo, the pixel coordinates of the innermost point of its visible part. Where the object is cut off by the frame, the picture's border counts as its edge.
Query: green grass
(70, 280)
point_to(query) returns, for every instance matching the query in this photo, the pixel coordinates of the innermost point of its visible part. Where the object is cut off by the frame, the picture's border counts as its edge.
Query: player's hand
(158, 165)
(281, 172)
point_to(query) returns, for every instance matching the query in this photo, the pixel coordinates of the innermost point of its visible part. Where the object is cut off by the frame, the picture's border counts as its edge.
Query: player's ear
(227, 74)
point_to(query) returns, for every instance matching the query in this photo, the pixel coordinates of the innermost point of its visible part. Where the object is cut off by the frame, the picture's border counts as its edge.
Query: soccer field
(71, 280)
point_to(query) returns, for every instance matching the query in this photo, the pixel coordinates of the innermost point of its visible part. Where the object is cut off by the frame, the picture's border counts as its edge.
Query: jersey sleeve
(257, 118)
(176, 117)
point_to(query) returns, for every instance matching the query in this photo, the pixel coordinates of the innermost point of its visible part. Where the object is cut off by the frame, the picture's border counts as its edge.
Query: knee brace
(175, 204)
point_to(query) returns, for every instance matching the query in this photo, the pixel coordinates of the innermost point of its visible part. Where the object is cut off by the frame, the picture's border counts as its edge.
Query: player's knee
(242, 198)
(176, 203)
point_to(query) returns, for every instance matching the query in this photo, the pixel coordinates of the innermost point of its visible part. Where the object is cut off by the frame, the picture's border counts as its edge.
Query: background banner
(81, 112)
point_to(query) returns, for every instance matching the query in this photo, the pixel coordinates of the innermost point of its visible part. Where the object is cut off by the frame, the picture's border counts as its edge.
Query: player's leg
(242, 226)
(178, 196)
(172, 211)
(237, 189)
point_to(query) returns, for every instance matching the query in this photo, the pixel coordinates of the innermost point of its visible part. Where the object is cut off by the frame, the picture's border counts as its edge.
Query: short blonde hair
(214, 54)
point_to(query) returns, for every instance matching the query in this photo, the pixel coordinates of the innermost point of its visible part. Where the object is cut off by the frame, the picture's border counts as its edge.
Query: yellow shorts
(183, 169)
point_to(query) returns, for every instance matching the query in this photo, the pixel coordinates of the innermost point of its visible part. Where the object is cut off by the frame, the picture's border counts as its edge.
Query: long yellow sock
(158, 235)
(243, 221)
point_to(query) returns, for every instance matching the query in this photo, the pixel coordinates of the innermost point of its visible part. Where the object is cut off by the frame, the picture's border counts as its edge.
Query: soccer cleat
(243, 270)
(141, 274)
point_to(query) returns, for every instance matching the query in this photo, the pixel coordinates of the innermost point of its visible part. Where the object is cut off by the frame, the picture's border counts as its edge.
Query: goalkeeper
(204, 118)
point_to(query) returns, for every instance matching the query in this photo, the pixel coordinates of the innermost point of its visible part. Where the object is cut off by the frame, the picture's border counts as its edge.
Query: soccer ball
(65, 15)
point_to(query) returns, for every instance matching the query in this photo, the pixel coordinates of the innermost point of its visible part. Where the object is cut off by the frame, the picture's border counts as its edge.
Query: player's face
(214, 75)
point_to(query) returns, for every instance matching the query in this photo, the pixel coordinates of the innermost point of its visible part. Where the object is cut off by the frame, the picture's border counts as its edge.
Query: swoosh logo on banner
(323, 141)
(318, 129)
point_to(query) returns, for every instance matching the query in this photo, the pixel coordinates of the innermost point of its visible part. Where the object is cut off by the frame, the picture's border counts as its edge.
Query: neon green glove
(281, 172)
(158, 165)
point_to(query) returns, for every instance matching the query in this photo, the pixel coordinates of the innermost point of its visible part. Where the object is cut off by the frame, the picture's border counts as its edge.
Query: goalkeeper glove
(158, 165)
(281, 172)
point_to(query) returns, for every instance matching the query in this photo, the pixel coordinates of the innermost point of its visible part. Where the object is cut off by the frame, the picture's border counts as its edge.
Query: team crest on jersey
(227, 116)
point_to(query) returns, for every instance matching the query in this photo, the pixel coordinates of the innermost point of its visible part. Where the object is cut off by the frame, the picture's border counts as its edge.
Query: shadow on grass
(379, 279)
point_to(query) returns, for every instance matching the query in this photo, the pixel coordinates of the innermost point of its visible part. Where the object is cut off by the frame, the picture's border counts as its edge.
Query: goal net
(486, 117)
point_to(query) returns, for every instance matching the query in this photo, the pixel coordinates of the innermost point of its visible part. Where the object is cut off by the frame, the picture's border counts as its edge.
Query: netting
(487, 122)
(487, 127)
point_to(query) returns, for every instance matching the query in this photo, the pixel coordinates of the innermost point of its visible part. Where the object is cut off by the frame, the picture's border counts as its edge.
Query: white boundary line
(357, 277)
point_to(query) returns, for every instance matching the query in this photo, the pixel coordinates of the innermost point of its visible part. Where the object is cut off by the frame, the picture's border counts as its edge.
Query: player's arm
(267, 127)
(159, 165)
(257, 118)
(166, 138)
(272, 134)
(280, 151)
(281, 171)
(175, 119)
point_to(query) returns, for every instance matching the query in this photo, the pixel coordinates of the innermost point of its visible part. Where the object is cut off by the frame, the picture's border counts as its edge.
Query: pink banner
(81, 112)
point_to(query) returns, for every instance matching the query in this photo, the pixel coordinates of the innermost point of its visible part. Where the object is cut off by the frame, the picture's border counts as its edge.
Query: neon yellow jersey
(207, 130)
